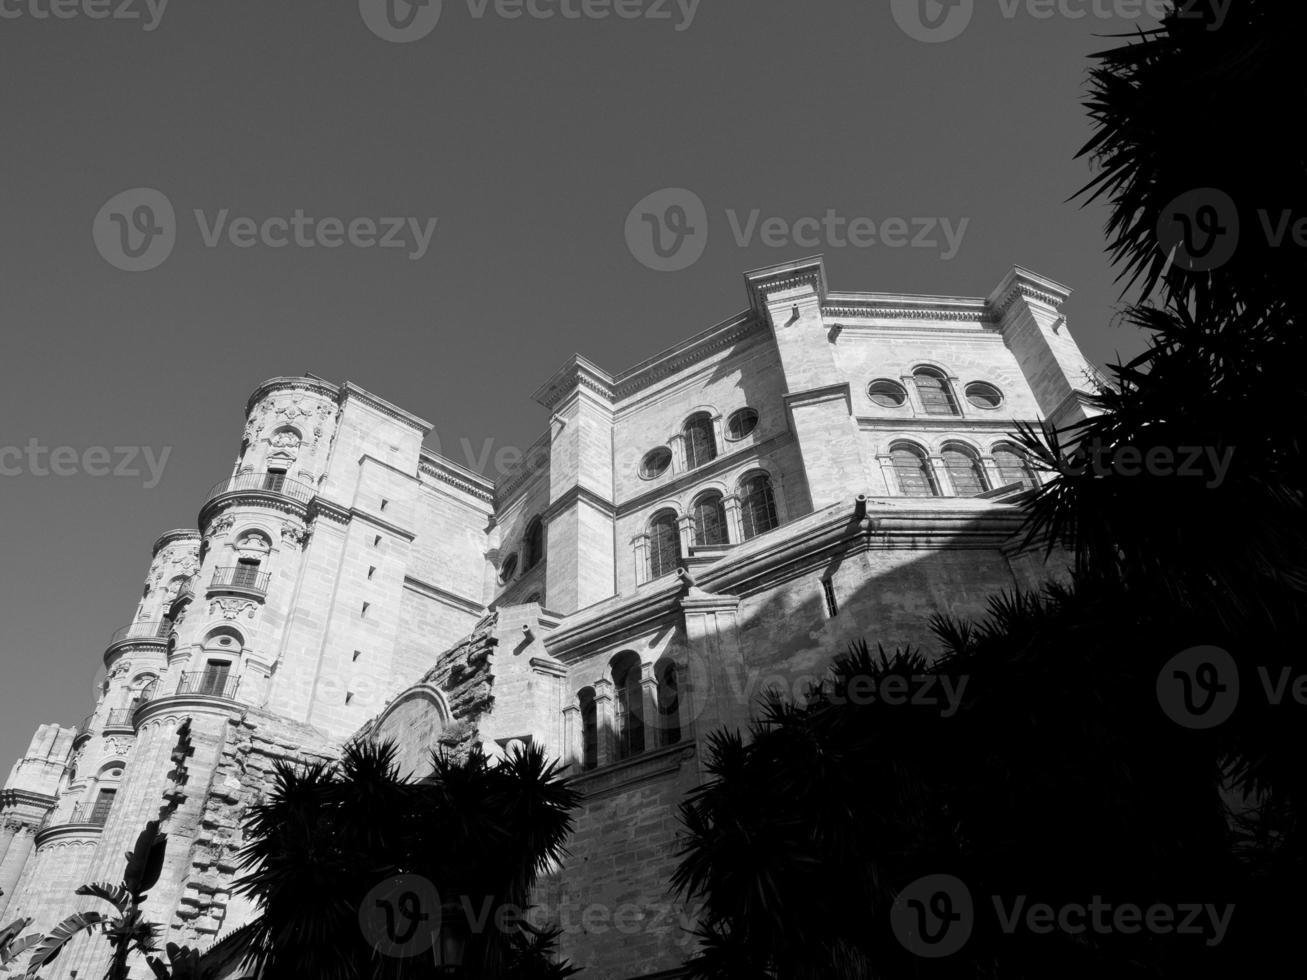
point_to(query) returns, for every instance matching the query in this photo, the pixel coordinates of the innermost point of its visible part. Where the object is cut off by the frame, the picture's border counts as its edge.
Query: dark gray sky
(530, 141)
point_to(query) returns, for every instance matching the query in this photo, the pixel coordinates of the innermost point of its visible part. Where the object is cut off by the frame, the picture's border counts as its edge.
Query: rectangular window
(828, 590)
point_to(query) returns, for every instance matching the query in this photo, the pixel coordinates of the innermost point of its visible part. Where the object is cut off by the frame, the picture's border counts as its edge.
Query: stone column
(734, 522)
(943, 479)
(685, 526)
(649, 713)
(714, 685)
(640, 545)
(573, 746)
(606, 735)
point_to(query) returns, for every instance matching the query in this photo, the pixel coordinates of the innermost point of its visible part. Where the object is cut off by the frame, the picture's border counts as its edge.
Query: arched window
(757, 505)
(913, 470)
(935, 392)
(1013, 467)
(669, 707)
(700, 442)
(628, 707)
(964, 470)
(589, 728)
(664, 544)
(709, 519)
(534, 546)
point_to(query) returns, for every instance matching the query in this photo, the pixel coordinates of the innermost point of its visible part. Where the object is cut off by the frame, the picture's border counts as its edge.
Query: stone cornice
(183, 705)
(350, 391)
(579, 372)
(446, 471)
(761, 283)
(788, 553)
(171, 537)
(576, 494)
(819, 396)
(444, 595)
(313, 385)
(322, 509)
(392, 529)
(1022, 284)
(69, 833)
(685, 354)
(959, 422)
(268, 499)
(25, 797)
(115, 650)
(887, 306)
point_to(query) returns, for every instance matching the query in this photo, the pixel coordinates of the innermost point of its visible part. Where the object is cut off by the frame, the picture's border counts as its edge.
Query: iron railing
(241, 577)
(136, 631)
(119, 718)
(89, 814)
(210, 683)
(215, 685)
(267, 482)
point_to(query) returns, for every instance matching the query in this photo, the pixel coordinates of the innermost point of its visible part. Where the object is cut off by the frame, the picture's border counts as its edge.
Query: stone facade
(714, 522)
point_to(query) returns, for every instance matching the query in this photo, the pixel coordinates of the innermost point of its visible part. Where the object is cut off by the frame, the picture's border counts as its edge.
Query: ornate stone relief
(293, 532)
(221, 525)
(233, 608)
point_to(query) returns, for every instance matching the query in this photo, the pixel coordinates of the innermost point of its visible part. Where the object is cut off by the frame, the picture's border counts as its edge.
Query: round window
(741, 423)
(982, 394)
(655, 462)
(887, 393)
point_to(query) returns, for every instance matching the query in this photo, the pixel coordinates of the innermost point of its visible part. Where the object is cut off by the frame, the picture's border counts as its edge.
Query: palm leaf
(116, 895)
(8, 933)
(16, 948)
(62, 934)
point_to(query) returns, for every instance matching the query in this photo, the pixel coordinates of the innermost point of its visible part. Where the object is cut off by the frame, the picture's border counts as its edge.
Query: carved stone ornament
(292, 532)
(222, 525)
(233, 608)
(294, 409)
(284, 439)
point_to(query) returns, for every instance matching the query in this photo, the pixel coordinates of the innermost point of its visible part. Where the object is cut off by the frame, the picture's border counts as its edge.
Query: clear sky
(530, 140)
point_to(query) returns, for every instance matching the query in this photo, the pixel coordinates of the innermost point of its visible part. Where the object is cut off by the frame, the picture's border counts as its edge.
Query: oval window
(741, 423)
(982, 394)
(887, 393)
(655, 462)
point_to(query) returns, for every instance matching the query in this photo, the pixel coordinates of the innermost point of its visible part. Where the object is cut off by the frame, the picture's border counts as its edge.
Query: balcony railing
(241, 577)
(267, 482)
(137, 631)
(214, 684)
(90, 814)
(119, 718)
(83, 728)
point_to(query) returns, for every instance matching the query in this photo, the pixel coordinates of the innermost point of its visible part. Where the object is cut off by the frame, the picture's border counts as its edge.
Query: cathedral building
(715, 522)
